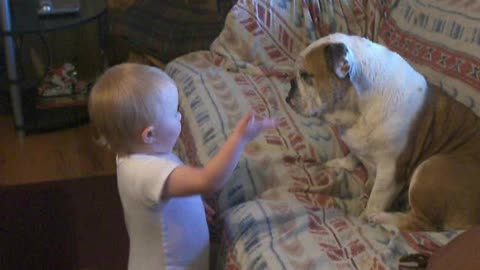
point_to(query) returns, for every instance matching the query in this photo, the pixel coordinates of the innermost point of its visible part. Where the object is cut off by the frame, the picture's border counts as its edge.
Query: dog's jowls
(408, 134)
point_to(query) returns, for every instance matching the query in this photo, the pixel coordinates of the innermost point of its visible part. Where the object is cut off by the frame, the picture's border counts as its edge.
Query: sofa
(282, 208)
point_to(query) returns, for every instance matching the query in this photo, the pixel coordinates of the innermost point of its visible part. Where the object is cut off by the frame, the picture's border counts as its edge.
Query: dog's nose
(293, 88)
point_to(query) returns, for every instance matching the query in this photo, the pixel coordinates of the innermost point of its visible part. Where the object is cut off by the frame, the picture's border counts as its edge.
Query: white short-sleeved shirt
(164, 234)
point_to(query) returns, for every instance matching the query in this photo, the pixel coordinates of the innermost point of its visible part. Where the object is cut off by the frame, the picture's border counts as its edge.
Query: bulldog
(411, 137)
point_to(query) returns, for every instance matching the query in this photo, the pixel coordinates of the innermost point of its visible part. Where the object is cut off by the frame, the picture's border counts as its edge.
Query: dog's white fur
(376, 111)
(382, 91)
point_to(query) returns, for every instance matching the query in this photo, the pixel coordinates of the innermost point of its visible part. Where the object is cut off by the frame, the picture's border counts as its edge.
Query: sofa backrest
(261, 33)
(440, 38)
(272, 33)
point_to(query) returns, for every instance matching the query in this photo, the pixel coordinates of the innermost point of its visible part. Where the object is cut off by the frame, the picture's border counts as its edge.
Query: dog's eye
(303, 74)
(306, 77)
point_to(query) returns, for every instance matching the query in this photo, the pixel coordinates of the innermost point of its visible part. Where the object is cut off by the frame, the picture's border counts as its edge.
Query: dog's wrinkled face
(322, 79)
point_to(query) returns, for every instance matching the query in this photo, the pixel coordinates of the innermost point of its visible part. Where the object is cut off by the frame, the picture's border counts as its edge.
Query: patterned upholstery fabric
(282, 208)
(441, 39)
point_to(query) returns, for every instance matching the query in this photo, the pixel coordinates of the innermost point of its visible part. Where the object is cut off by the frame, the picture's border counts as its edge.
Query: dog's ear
(337, 59)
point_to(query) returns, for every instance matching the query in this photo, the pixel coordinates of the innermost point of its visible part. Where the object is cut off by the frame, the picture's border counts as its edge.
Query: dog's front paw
(379, 217)
(365, 216)
(369, 214)
(348, 163)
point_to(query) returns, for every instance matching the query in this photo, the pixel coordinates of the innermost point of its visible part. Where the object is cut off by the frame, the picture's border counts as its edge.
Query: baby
(135, 109)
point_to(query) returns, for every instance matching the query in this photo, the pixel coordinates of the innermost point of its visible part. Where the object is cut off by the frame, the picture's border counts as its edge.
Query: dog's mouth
(293, 89)
(294, 100)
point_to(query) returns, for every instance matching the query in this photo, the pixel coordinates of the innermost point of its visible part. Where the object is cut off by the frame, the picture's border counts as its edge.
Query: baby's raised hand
(250, 127)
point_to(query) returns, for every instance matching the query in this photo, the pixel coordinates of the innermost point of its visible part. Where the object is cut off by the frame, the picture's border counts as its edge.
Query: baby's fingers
(269, 123)
(265, 123)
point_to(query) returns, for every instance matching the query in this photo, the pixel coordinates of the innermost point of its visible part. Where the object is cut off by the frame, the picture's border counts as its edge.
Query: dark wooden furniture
(18, 18)
(59, 205)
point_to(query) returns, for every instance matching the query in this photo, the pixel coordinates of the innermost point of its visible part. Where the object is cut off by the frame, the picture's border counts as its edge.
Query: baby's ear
(148, 135)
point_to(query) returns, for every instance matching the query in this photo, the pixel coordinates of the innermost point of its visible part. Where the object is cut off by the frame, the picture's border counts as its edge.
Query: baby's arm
(186, 180)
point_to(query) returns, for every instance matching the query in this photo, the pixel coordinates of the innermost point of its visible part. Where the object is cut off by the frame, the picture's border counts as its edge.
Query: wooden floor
(55, 156)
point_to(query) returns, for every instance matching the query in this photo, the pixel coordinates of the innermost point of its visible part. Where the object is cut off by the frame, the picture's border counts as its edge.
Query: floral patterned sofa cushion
(283, 209)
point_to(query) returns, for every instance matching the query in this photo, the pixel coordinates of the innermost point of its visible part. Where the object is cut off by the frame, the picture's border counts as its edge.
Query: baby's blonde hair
(124, 101)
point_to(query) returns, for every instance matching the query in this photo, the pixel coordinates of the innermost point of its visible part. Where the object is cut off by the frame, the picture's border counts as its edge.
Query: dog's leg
(404, 221)
(348, 162)
(446, 191)
(385, 190)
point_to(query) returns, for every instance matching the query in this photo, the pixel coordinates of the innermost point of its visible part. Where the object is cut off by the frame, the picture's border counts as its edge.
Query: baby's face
(168, 128)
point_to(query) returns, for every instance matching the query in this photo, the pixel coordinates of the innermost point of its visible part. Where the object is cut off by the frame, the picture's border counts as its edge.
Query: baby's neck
(150, 150)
